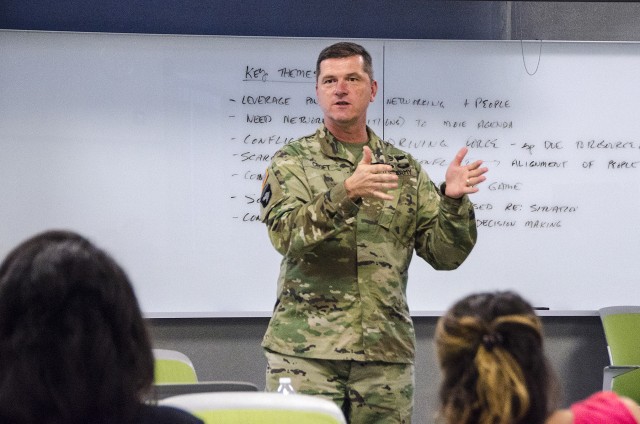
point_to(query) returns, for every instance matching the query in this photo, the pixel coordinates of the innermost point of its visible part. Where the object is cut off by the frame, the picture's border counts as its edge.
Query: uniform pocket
(398, 216)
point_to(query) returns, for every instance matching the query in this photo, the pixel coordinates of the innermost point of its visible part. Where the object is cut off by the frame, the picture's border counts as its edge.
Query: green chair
(258, 408)
(622, 330)
(162, 391)
(172, 367)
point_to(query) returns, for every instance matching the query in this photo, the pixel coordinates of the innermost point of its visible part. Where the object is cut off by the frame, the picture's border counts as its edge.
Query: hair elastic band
(489, 341)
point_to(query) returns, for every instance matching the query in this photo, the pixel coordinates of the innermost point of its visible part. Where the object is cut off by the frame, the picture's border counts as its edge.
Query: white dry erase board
(154, 147)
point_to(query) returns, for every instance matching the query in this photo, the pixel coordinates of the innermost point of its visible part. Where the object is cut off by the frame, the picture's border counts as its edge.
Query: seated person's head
(73, 344)
(490, 351)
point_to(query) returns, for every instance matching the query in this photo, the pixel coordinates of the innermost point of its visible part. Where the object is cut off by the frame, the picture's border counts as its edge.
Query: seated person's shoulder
(632, 406)
(562, 416)
(600, 407)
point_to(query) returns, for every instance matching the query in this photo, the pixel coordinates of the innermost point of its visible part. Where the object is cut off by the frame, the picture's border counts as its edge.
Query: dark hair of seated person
(490, 351)
(73, 343)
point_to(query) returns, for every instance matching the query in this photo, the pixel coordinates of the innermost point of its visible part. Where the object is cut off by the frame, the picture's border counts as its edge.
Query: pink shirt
(600, 408)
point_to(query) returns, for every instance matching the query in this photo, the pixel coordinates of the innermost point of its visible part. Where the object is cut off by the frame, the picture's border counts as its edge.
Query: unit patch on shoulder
(265, 197)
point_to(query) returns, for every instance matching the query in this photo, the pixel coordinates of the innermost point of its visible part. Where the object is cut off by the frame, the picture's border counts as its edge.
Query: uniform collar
(331, 147)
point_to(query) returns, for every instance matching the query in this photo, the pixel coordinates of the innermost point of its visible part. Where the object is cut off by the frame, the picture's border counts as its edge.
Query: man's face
(344, 91)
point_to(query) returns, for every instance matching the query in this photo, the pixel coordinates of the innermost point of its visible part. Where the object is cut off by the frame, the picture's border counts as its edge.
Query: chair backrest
(622, 330)
(171, 366)
(161, 391)
(258, 408)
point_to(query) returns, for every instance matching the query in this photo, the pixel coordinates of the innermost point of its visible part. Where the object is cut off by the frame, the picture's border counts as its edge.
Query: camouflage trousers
(367, 392)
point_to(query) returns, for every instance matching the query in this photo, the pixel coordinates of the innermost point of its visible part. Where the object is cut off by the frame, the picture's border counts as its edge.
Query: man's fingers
(460, 156)
(382, 195)
(475, 165)
(366, 155)
(384, 176)
(373, 180)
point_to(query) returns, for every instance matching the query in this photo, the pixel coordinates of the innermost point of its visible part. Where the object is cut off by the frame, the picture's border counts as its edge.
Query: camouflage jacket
(343, 276)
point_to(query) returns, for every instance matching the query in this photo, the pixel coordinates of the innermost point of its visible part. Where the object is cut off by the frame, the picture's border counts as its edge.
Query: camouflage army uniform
(342, 284)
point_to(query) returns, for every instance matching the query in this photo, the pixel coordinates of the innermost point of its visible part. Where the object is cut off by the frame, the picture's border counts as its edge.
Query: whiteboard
(154, 147)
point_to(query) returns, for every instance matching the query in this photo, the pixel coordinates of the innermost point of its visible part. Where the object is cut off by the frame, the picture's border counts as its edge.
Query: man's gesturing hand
(371, 180)
(463, 179)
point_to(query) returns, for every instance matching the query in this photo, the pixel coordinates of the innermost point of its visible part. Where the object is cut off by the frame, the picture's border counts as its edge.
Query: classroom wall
(228, 349)
(286, 18)
(585, 21)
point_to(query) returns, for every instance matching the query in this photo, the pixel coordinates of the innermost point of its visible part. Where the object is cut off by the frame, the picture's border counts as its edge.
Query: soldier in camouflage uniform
(347, 210)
